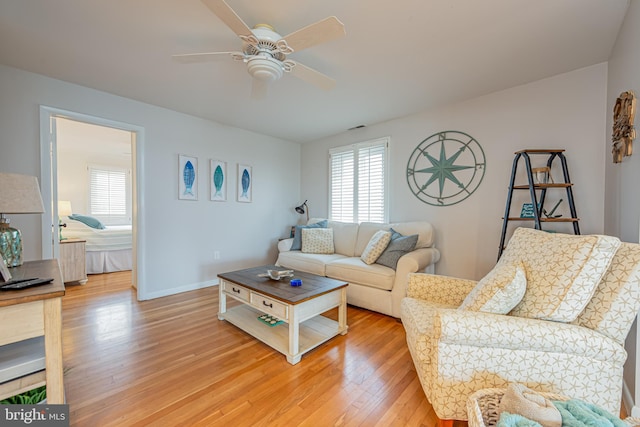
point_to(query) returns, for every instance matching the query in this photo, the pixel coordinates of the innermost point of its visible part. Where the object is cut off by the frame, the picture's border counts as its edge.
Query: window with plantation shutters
(358, 182)
(109, 195)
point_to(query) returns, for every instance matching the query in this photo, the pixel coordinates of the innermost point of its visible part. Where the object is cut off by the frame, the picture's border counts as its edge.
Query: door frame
(49, 185)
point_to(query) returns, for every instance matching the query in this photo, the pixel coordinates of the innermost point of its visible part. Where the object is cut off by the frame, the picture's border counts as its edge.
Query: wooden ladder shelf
(532, 186)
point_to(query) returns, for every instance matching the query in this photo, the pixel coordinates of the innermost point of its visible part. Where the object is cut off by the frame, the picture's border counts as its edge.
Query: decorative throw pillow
(398, 246)
(499, 291)
(563, 271)
(377, 244)
(317, 240)
(88, 220)
(297, 237)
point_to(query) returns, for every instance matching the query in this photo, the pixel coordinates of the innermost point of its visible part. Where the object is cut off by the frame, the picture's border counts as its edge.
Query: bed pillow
(317, 240)
(88, 220)
(297, 237)
(398, 246)
(377, 244)
(499, 291)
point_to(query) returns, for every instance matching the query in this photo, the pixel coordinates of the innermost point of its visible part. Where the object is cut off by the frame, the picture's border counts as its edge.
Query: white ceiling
(398, 57)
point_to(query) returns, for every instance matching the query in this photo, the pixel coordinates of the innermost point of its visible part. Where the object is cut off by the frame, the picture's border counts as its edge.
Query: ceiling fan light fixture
(264, 68)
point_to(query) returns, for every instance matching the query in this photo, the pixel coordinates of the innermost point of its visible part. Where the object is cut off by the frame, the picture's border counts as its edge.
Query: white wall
(566, 111)
(181, 235)
(622, 201)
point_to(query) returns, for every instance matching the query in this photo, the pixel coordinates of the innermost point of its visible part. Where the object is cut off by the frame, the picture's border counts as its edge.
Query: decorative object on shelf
(188, 178)
(550, 214)
(270, 320)
(446, 168)
(19, 194)
(218, 180)
(64, 210)
(527, 211)
(624, 112)
(302, 209)
(245, 183)
(542, 175)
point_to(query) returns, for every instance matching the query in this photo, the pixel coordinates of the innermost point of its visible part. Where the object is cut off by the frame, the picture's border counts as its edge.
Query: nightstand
(72, 260)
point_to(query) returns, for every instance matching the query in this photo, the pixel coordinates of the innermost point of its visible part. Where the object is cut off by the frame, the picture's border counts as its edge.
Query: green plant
(30, 397)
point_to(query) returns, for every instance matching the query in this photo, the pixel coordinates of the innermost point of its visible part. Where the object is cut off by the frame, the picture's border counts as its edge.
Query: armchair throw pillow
(317, 240)
(377, 244)
(499, 291)
(297, 238)
(563, 271)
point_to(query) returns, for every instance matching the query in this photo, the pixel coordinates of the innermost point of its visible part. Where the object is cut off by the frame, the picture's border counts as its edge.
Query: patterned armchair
(553, 315)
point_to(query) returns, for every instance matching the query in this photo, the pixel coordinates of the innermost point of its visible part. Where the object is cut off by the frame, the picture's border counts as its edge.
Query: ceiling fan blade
(259, 89)
(228, 16)
(202, 57)
(322, 31)
(312, 76)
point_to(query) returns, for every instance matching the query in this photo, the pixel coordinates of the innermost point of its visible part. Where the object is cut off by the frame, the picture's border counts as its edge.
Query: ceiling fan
(265, 51)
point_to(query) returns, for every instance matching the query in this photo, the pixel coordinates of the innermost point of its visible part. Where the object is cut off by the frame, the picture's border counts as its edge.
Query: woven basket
(482, 406)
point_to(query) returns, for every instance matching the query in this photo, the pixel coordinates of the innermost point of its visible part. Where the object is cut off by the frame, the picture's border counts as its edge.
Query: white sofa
(374, 287)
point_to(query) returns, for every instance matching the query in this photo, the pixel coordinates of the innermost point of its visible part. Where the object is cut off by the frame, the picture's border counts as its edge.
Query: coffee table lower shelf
(312, 332)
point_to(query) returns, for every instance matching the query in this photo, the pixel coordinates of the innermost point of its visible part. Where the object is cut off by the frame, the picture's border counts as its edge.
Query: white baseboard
(180, 289)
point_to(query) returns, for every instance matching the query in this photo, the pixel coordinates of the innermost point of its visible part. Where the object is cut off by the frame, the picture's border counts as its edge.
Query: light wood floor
(170, 361)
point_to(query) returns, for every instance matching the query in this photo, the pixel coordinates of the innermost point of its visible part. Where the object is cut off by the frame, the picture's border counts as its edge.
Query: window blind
(108, 194)
(358, 187)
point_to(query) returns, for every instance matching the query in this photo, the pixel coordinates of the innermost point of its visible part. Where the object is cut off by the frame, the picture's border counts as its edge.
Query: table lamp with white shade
(64, 210)
(19, 194)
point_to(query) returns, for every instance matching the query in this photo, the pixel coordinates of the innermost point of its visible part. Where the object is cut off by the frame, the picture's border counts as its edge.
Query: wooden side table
(30, 313)
(73, 260)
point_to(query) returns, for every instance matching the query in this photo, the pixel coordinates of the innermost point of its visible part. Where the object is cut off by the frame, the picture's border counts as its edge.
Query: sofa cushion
(562, 270)
(344, 237)
(310, 263)
(297, 238)
(499, 291)
(352, 269)
(398, 246)
(317, 240)
(376, 246)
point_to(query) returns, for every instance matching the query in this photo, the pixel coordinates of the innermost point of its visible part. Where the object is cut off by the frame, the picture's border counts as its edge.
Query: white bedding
(107, 250)
(112, 238)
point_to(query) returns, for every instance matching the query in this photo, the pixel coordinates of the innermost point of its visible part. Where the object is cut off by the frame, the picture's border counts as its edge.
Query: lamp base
(10, 245)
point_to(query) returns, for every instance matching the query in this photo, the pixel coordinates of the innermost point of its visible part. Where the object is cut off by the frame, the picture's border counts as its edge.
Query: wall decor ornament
(218, 180)
(446, 168)
(187, 177)
(245, 183)
(624, 112)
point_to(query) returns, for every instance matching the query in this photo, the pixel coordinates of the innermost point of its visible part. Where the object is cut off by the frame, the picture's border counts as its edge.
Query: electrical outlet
(216, 255)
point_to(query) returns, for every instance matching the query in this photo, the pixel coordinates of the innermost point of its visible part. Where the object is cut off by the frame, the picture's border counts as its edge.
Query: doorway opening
(90, 168)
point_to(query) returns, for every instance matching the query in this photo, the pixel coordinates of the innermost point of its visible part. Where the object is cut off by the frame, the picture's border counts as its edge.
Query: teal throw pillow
(398, 246)
(88, 220)
(297, 238)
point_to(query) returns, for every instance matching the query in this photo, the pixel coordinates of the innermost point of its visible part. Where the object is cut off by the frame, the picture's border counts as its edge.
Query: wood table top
(312, 284)
(45, 268)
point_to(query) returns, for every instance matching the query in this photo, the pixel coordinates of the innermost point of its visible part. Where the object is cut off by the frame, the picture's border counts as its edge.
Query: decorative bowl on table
(279, 274)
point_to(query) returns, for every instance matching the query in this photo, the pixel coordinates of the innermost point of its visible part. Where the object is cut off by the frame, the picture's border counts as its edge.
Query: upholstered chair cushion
(562, 271)
(377, 244)
(617, 298)
(499, 291)
(317, 240)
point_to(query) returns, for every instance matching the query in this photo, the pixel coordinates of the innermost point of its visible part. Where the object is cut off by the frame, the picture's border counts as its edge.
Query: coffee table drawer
(269, 305)
(237, 291)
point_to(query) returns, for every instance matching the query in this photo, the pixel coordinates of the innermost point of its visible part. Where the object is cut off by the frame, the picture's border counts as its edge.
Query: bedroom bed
(107, 250)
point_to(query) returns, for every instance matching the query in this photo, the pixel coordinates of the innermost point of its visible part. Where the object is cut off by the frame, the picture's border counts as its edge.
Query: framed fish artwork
(187, 177)
(218, 180)
(245, 183)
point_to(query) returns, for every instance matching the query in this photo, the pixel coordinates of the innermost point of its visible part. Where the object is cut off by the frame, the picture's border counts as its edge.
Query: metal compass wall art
(446, 168)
